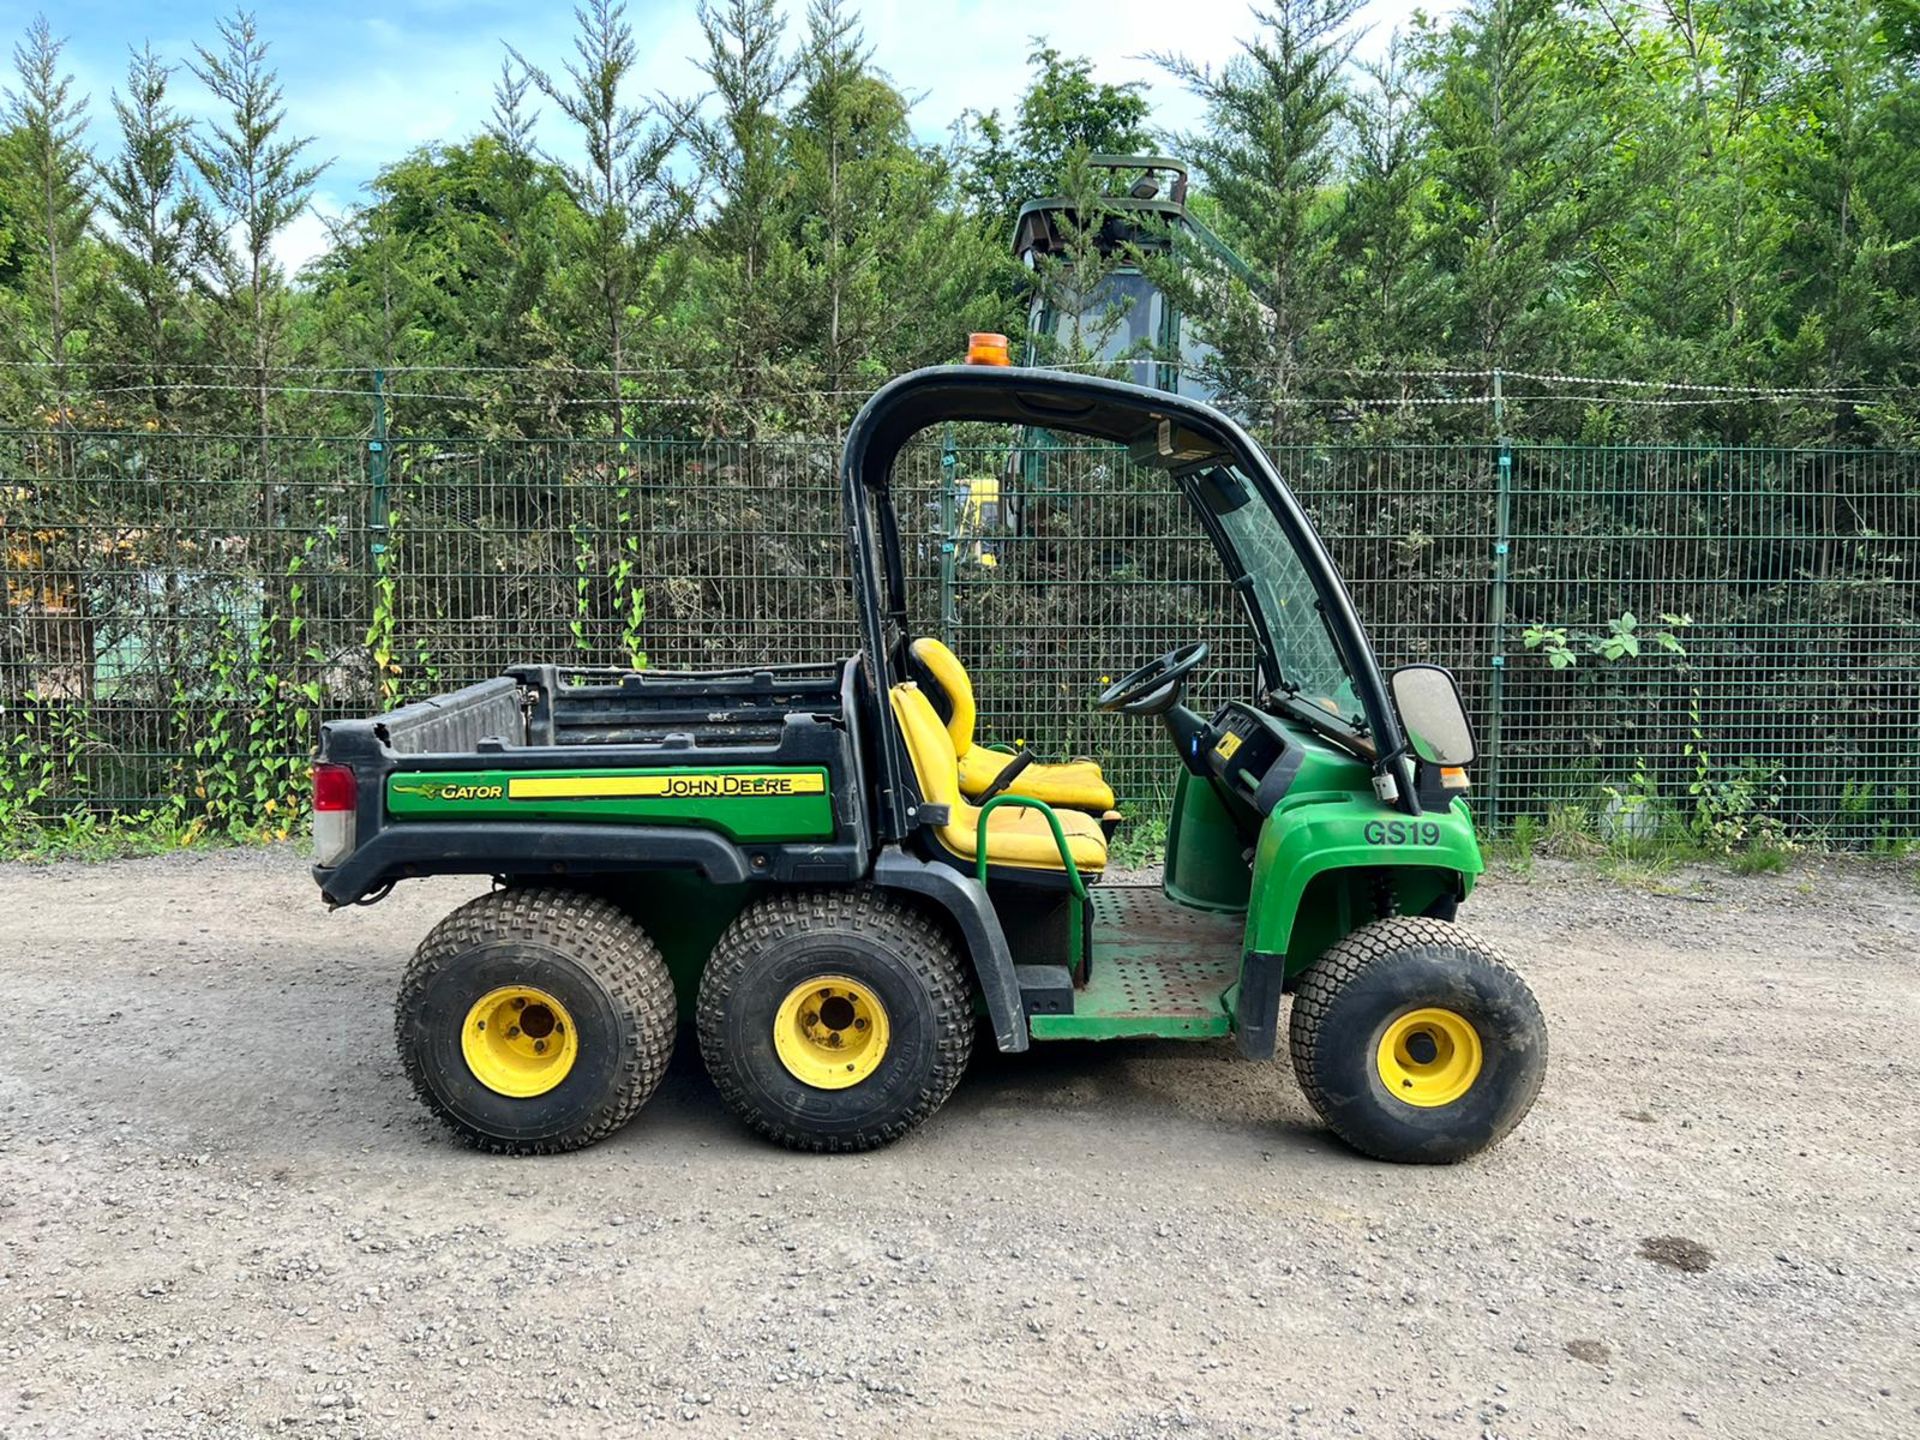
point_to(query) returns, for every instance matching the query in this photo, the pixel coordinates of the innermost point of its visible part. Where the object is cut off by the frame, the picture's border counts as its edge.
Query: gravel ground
(222, 1213)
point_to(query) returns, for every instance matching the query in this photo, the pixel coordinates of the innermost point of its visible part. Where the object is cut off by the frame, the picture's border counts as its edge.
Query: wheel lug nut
(812, 1017)
(539, 1047)
(859, 1024)
(519, 1002)
(513, 1032)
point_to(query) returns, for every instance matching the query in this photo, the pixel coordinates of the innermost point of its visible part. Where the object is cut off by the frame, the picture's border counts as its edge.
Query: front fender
(1315, 834)
(1338, 834)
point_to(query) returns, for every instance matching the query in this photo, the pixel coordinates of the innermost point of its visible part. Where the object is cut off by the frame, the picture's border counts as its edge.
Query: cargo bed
(551, 770)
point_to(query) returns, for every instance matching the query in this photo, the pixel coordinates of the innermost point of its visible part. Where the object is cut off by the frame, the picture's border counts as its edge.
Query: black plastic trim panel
(966, 901)
(401, 852)
(1257, 1013)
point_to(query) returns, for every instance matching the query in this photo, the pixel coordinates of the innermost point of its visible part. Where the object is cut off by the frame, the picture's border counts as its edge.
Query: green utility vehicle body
(584, 774)
(710, 808)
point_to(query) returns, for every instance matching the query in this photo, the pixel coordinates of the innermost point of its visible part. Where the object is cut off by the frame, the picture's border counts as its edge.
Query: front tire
(535, 1021)
(834, 1020)
(1416, 1042)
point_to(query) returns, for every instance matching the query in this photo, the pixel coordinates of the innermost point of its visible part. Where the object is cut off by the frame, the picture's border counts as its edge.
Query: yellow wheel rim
(519, 1041)
(831, 1032)
(1429, 1057)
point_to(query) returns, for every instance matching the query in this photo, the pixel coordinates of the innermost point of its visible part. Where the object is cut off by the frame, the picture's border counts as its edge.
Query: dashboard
(1250, 753)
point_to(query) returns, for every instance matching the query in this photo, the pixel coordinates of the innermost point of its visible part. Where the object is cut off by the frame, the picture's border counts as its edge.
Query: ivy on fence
(167, 652)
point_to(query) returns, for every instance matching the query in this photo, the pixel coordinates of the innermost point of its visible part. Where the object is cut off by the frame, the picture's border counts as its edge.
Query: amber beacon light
(984, 348)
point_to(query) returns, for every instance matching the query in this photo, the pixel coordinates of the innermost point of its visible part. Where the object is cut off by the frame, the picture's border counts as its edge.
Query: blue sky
(371, 81)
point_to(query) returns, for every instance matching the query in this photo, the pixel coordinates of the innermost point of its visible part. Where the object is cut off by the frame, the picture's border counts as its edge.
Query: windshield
(1310, 665)
(1119, 323)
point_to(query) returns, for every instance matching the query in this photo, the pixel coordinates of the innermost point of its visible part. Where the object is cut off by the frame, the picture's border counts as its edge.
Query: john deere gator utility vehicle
(839, 880)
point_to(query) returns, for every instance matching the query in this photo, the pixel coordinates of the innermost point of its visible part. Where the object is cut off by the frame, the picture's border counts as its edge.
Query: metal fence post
(377, 470)
(1497, 622)
(949, 541)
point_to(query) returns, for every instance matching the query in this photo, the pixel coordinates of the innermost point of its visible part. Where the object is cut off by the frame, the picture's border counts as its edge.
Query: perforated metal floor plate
(1158, 969)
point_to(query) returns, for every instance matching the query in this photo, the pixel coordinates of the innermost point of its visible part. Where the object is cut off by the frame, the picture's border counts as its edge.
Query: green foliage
(1141, 841)
(1270, 152)
(1621, 640)
(1760, 860)
(50, 189)
(1721, 193)
(158, 242)
(256, 185)
(1718, 193)
(1733, 806)
(1064, 111)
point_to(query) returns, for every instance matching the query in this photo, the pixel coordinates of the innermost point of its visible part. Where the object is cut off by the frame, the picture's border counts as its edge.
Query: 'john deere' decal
(666, 787)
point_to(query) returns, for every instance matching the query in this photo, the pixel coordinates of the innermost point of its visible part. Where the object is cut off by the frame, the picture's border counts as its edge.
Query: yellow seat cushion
(1016, 836)
(1019, 836)
(1077, 784)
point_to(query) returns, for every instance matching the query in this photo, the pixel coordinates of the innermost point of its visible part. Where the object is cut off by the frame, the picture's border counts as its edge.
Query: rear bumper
(400, 852)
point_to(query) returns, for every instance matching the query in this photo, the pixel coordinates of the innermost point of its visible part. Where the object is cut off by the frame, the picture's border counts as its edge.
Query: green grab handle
(1078, 886)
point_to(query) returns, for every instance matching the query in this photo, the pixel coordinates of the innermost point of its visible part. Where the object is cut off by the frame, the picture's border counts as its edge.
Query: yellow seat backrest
(951, 676)
(934, 763)
(1016, 836)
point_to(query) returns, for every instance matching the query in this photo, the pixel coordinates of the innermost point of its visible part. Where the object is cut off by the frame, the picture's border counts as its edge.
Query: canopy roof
(1158, 428)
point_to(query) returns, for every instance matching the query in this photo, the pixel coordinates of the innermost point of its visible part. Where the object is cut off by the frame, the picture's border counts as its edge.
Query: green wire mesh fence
(182, 612)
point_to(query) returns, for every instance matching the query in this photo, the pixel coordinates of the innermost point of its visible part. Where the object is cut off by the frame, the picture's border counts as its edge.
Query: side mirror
(1432, 715)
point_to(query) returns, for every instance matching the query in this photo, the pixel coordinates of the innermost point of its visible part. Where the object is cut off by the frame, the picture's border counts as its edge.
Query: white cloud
(308, 237)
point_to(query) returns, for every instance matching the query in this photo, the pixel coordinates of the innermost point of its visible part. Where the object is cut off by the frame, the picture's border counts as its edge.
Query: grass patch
(1653, 873)
(1642, 855)
(1515, 849)
(83, 836)
(1141, 840)
(1759, 860)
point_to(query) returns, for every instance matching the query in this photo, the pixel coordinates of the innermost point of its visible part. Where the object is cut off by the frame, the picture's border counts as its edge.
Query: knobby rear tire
(897, 952)
(588, 954)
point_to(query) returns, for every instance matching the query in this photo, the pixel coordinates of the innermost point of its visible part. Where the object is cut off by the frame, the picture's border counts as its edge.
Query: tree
(891, 271)
(528, 196)
(1064, 110)
(835, 107)
(1682, 235)
(449, 268)
(158, 236)
(259, 185)
(1853, 170)
(748, 190)
(632, 209)
(1387, 285)
(55, 196)
(1520, 139)
(1269, 154)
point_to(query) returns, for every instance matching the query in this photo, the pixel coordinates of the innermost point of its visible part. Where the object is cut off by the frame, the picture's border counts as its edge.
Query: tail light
(336, 795)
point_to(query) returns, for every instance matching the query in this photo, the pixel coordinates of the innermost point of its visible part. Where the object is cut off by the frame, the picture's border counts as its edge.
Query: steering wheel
(1154, 688)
